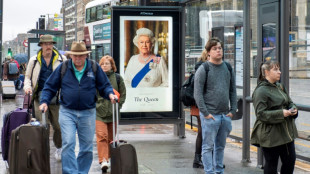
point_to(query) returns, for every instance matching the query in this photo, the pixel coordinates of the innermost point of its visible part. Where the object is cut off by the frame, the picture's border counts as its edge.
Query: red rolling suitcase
(29, 149)
(123, 155)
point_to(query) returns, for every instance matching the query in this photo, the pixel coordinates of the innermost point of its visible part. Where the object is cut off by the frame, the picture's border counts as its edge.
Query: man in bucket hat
(78, 84)
(39, 68)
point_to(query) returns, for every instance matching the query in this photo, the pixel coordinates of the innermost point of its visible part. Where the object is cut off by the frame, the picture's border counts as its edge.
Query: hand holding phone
(293, 111)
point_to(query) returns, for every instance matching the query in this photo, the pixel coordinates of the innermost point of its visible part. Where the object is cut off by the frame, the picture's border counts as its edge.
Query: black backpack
(187, 89)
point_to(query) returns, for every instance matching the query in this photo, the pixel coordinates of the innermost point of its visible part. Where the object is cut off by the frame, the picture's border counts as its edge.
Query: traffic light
(9, 52)
(41, 23)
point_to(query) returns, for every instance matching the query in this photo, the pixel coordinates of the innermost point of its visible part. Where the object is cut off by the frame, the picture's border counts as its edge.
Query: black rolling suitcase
(123, 155)
(29, 149)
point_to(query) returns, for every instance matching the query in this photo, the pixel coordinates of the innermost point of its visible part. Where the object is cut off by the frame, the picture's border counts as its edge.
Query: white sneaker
(58, 154)
(104, 166)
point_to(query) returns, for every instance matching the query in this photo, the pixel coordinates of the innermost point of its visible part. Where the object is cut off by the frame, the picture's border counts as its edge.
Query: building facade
(74, 20)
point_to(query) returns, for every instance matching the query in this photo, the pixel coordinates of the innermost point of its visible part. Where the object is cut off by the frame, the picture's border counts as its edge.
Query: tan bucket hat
(78, 48)
(46, 38)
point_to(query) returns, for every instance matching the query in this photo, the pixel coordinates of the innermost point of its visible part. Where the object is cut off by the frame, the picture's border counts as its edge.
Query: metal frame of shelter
(177, 115)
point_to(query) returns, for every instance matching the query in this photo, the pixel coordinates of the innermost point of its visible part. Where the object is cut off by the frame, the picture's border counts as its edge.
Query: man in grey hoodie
(216, 98)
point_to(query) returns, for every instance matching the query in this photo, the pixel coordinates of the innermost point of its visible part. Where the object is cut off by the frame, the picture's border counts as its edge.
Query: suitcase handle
(29, 103)
(115, 123)
(29, 159)
(43, 117)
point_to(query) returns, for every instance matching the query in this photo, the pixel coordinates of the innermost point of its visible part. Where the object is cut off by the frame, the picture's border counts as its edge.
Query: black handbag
(239, 111)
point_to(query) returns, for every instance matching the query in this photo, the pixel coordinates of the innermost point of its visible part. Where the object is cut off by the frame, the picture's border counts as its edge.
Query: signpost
(25, 43)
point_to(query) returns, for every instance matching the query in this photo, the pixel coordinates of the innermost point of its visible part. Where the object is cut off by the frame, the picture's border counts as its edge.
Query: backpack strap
(62, 59)
(229, 67)
(94, 67)
(63, 69)
(231, 76)
(34, 64)
(206, 67)
(65, 65)
(117, 79)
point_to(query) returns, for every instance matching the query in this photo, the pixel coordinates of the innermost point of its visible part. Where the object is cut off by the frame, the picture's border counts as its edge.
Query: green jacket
(104, 106)
(271, 128)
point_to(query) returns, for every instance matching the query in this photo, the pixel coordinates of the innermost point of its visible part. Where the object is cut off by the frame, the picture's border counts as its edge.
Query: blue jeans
(214, 134)
(82, 122)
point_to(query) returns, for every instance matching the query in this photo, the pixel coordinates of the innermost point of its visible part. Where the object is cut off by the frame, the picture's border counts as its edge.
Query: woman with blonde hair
(104, 120)
(194, 111)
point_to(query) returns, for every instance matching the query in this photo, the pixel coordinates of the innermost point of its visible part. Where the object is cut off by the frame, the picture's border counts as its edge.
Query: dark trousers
(199, 137)
(287, 155)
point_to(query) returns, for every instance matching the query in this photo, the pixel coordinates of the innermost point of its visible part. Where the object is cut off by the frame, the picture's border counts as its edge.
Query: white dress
(157, 76)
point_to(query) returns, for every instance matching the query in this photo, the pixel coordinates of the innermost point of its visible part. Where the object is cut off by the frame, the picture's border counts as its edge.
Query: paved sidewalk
(158, 150)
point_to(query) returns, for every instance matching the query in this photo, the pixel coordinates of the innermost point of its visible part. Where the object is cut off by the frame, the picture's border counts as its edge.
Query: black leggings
(287, 155)
(199, 137)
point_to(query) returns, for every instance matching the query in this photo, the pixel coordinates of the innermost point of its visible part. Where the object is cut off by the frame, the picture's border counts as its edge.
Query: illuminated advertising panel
(147, 74)
(146, 50)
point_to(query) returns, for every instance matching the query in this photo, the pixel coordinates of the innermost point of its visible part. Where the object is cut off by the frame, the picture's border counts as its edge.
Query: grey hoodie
(217, 95)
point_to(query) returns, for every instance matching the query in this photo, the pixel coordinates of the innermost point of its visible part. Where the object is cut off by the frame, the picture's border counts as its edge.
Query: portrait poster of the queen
(146, 62)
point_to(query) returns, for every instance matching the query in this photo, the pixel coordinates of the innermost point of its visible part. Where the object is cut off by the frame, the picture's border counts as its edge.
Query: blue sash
(139, 76)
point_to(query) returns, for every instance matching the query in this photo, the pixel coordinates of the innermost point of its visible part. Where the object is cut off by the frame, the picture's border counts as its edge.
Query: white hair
(144, 32)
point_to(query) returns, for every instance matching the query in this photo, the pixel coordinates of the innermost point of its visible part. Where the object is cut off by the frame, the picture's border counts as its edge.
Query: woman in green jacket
(104, 120)
(274, 129)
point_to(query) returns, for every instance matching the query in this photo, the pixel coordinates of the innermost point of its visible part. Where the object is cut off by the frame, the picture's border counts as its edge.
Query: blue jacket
(74, 94)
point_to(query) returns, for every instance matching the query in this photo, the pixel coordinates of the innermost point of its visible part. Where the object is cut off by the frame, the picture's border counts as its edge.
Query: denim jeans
(82, 122)
(214, 134)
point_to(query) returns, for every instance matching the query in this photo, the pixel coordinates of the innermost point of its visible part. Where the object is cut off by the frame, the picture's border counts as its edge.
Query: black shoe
(104, 170)
(104, 167)
(197, 161)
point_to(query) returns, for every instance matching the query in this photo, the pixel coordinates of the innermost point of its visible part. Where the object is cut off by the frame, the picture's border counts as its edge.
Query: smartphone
(292, 111)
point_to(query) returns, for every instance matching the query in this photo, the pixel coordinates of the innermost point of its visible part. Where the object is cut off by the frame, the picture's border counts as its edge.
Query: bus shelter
(59, 37)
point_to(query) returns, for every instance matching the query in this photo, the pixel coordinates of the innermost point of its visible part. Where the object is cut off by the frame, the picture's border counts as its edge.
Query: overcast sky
(20, 16)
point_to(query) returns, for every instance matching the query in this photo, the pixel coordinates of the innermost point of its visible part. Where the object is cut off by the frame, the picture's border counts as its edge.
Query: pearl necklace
(146, 59)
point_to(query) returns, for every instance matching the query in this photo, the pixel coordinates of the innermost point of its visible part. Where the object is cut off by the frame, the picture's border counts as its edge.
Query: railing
(300, 107)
